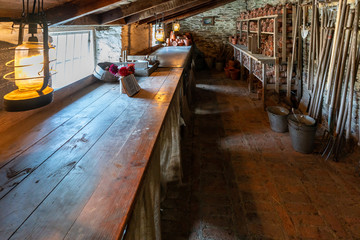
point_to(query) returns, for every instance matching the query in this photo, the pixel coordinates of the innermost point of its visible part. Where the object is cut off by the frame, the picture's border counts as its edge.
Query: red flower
(131, 68)
(113, 69)
(123, 71)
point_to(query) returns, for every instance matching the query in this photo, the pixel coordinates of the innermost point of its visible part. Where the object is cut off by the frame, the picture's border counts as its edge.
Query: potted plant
(122, 73)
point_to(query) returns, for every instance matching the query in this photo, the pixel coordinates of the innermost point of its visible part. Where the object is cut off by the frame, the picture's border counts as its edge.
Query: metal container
(278, 118)
(101, 73)
(302, 130)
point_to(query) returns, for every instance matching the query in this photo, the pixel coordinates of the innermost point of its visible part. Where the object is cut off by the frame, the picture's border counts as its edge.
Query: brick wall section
(136, 38)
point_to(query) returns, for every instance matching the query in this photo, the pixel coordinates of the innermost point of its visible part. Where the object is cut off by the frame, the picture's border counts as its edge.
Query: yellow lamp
(160, 35)
(31, 75)
(176, 26)
(160, 32)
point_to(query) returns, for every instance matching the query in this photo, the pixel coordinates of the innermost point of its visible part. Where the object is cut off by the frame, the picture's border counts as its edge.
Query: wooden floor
(243, 181)
(74, 171)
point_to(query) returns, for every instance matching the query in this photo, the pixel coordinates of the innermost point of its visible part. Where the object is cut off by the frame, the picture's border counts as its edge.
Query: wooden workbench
(77, 170)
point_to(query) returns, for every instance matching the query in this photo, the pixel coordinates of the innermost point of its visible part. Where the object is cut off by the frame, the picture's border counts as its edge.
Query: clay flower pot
(231, 63)
(227, 72)
(234, 73)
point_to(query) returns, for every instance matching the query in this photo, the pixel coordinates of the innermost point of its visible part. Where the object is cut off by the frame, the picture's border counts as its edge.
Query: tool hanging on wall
(294, 49)
(342, 91)
(339, 25)
(322, 70)
(304, 31)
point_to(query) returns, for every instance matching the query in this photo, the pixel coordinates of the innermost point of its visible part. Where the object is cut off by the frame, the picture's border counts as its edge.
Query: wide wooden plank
(58, 166)
(99, 209)
(12, 173)
(16, 139)
(57, 213)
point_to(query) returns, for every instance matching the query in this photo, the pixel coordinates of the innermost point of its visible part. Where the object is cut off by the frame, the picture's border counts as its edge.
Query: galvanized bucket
(278, 118)
(302, 130)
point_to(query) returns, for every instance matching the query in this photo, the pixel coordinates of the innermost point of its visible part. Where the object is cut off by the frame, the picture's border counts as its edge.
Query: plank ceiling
(112, 12)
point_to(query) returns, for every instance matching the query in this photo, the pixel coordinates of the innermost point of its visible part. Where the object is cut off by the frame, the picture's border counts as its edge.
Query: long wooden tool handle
(353, 69)
(289, 77)
(338, 26)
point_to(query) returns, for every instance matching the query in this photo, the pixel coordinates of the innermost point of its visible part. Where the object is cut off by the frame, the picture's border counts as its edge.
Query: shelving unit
(273, 63)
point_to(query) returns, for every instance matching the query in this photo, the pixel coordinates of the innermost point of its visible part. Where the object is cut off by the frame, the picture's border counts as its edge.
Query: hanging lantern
(160, 33)
(176, 26)
(31, 69)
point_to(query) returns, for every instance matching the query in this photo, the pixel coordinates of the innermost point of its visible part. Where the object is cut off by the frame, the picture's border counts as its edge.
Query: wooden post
(263, 84)
(259, 34)
(276, 66)
(241, 66)
(299, 64)
(250, 79)
(283, 50)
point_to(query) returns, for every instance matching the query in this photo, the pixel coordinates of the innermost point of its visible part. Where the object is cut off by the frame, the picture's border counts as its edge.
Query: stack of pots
(231, 71)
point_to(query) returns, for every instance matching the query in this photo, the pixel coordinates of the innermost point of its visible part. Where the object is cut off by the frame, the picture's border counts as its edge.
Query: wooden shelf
(257, 57)
(272, 33)
(259, 18)
(254, 32)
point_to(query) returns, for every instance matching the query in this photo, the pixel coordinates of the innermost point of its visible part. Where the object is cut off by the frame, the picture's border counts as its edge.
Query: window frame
(61, 31)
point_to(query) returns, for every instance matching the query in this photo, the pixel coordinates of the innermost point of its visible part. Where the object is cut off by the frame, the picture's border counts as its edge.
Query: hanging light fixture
(160, 31)
(176, 26)
(31, 64)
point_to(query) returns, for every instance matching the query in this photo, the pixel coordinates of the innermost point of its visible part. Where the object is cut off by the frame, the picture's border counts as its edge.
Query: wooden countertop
(73, 172)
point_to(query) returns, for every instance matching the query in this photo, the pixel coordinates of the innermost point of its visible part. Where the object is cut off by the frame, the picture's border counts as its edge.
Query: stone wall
(209, 38)
(108, 44)
(111, 41)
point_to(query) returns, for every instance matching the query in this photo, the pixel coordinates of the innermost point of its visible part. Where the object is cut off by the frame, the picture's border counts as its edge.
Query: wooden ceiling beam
(185, 13)
(118, 22)
(174, 5)
(112, 16)
(72, 10)
(133, 8)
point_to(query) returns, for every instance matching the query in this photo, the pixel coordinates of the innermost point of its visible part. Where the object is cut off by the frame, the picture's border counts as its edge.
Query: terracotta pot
(234, 74)
(227, 72)
(172, 35)
(231, 63)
